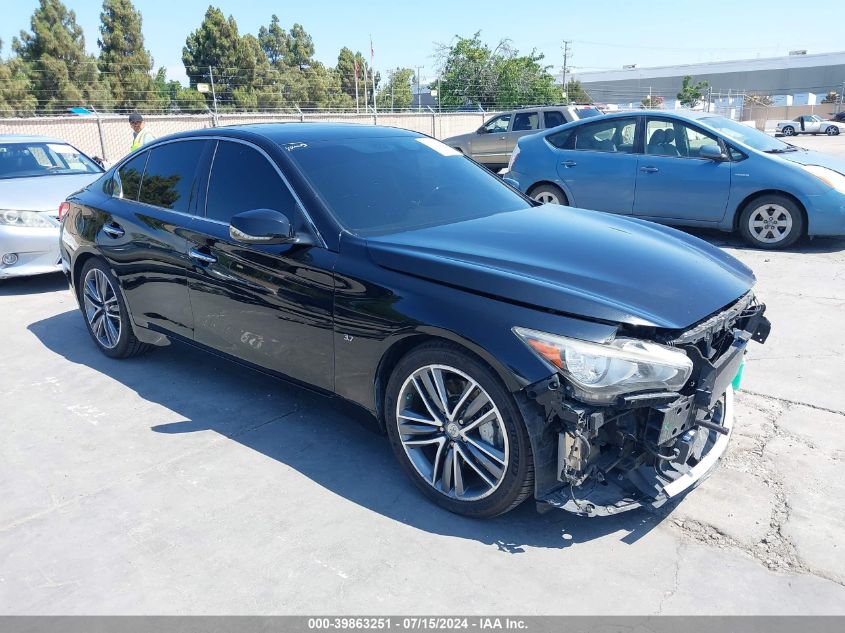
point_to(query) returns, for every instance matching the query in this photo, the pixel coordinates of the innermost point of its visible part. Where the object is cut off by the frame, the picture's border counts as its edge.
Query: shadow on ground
(33, 285)
(735, 241)
(325, 439)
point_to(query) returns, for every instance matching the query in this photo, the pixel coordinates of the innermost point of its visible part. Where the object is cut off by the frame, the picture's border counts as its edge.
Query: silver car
(492, 143)
(36, 175)
(809, 124)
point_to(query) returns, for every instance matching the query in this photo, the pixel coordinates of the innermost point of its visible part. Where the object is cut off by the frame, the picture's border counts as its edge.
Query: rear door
(270, 305)
(673, 182)
(524, 123)
(553, 118)
(143, 236)
(597, 164)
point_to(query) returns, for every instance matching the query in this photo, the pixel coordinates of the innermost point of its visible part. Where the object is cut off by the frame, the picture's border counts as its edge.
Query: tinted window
(169, 178)
(553, 118)
(584, 113)
(127, 180)
(523, 121)
(607, 135)
(26, 160)
(562, 140)
(397, 183)
(242, 180)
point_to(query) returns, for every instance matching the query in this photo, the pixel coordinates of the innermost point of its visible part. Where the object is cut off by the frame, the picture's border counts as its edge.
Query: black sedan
(507, 348)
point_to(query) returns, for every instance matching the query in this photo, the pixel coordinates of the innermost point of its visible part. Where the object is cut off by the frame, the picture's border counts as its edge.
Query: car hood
(574, 261)
(808, 157)
(41, 193)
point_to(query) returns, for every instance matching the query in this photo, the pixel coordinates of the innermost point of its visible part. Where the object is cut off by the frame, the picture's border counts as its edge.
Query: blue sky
(605, 34)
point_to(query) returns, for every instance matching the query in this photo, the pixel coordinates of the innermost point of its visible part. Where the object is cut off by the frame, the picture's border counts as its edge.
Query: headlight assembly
(30, 219)
(599, 372)
(828, 176)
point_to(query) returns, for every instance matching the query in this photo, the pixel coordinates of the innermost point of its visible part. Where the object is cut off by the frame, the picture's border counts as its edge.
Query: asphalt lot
(177, 483)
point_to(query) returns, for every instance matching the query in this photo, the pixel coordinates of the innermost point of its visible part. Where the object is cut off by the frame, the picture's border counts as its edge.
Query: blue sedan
(687, 169)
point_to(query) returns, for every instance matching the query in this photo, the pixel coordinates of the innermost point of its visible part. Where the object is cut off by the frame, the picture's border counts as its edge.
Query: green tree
(652, 101)
(831, 97)
(61, 74)
(575, 93)
(301, 47)
(16, 98)
(346, 72)
(473, 73)
(213, 45)
(692, 94)
(396, 94)
(124, 62)
(274, 41)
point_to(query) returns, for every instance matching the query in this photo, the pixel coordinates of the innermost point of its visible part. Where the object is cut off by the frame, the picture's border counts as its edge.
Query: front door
(673, 182)
(270, 305)
(597, 164)
(490, 147)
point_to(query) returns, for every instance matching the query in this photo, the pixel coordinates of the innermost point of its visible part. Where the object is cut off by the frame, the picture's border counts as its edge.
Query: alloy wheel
(452, 432)
(102, 309)
(788, 131)
(547, 197)
(770, 223)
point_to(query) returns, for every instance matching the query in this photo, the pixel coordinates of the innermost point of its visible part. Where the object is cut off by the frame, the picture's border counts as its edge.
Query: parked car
(493, 142)
(687, 169)
(839, 116)
(36, 175)
(508, 349)
(809, 124)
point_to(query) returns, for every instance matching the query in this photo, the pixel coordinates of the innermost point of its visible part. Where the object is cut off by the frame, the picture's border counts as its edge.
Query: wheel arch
(766, 192)
(400, 348)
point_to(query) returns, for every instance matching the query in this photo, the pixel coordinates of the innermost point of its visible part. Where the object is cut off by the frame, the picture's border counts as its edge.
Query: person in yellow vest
(140, 136)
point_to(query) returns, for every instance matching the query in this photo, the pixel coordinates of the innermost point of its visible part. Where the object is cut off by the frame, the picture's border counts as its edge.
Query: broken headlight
(599, 372)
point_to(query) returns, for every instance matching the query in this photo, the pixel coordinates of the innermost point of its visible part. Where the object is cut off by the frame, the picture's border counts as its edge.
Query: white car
(36, 175)
(809, 124)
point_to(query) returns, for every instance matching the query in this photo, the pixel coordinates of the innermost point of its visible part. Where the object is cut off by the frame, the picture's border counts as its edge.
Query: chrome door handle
(113, 230)
(202, 258)
(569, 163)
(649, 170)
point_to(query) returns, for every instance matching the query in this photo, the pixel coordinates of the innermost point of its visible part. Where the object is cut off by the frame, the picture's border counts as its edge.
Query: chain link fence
(109, 136)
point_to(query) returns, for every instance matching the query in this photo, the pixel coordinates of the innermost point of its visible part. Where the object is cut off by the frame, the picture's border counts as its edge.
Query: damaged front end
(625, 443)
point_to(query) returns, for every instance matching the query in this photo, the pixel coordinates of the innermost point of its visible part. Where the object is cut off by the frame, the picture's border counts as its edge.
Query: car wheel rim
(547, 197)
(452, 433)
(787, 131)
(101, 308)
(770, 223)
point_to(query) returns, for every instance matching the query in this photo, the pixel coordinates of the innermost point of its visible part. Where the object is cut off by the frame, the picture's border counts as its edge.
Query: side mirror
(261, 226)
(711, 152)
(481, 130)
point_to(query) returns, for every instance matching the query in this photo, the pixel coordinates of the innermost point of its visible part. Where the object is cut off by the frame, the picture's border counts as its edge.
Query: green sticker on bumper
(737, 381)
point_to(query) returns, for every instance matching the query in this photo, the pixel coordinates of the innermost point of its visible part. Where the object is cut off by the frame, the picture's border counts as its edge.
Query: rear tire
(771, 221)
(444, 406)
(832, 130)
(548, 194)
(105, 313)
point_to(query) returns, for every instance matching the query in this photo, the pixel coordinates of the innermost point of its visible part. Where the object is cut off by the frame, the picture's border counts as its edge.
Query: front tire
(548, 194)
(771, 222)
(457, 432)
(788, 131)
(106, 316)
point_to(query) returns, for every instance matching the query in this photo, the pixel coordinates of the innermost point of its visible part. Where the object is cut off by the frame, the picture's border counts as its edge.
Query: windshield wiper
(779, 150)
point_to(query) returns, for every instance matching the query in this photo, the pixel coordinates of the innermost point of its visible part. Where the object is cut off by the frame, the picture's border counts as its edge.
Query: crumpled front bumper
(37, 251)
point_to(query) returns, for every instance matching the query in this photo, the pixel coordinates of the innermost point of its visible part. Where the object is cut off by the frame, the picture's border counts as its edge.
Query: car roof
(29, 138)
(283, 133)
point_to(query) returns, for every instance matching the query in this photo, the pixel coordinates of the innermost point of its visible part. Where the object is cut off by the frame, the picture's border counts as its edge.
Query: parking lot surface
(178, 483)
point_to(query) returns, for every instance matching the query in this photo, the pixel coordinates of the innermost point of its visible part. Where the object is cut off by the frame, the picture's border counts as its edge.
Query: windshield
(586, 113)
(745, 134)
(27, 160)
(376, 186)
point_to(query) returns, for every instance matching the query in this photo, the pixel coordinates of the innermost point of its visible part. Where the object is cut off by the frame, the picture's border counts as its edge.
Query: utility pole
(213, 95)
(841, 98)
(566, 44)
(419, 96)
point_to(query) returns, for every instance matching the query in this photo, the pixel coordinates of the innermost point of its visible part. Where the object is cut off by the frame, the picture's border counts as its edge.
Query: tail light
(64, 207)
